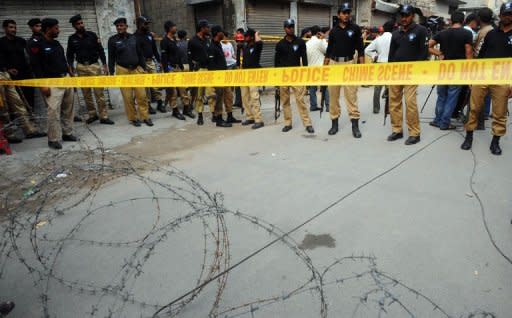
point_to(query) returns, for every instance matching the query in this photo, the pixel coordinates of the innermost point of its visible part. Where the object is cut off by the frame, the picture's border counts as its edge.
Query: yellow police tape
(458, 72)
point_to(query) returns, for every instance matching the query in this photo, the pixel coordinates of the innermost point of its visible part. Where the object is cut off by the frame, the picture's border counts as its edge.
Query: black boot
(495, 146)
(160, 106)
(355, 128)
(219, 122)
(187, 111)
(334, 128)
(232, 119)
(200, 120)
(176, 113)
(468, 141)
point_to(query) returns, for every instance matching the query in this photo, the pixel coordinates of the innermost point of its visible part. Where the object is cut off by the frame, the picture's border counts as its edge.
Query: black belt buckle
(342, 58)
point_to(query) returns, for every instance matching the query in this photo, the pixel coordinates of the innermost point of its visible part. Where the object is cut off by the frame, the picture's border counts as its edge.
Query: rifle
(277, 106)
(386, 105)
(322, 99)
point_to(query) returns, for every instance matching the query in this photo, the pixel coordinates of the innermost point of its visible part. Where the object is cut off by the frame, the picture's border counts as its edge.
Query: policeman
(35, 26)
(87, 48)
(49, 61)
(217, 61)
(198, 61)
(497, 44)
(250, 59)
(291, 51)
(125, 57)
(149, 50)
(14, 66)
(345, 40)
(171, 63)
(408, 43)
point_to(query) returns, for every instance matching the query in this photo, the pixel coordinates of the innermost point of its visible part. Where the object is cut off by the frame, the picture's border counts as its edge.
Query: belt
(342, 58)
(87, 63)
(130, 67)
(149, 59)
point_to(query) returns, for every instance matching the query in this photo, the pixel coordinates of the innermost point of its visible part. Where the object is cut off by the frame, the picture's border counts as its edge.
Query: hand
(326, 61)
(105, 70)
(46, 91)
(13, 71)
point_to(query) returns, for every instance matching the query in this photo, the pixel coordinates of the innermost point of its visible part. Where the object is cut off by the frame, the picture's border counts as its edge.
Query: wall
(108, 11)
(175, 10)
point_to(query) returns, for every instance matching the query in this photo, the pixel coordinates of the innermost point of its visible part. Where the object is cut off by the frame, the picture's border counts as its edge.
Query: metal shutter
(267, 18)
(211, 12)
(23, 10)
(310, 15)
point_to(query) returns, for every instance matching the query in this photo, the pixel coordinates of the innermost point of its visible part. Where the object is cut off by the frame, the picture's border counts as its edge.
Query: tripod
(426, 100)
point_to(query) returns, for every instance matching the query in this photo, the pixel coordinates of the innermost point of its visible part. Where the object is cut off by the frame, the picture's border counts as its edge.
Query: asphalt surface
(130, 220)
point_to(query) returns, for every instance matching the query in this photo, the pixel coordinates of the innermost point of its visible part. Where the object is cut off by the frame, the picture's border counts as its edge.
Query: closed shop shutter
(267, 18)
(310, 15)
(23, 10)
(209, 11)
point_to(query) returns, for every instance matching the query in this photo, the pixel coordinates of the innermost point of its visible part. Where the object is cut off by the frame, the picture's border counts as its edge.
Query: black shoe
(248, 122)
(334, 128)
(219, 122)
(286, 128)
(6, 308)
(449, 127)
(468, 141)
(54, 145)
(310, 129)
(106, 121)
(187, 111)
(314, 109)
(257, 125)
(36, 135)
(14, 140)
(91, 119)
(77, 119)
(231, 119)
(135, 123)
(160, 107)
(355, 128)
(148, 122)
(176, 114)
(395, 136)
(151, 110)
(412, 140)
(434, 124)
(495, 146)
(70, 138)
(200, 120)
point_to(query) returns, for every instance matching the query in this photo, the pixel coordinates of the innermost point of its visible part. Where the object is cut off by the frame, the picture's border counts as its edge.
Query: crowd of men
(401, 40)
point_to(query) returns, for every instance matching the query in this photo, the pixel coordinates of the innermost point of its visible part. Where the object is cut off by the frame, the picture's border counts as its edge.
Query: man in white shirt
(316, 48)
(378, 50)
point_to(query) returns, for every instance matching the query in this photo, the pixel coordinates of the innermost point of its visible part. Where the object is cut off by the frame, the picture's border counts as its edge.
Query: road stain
(312, 241)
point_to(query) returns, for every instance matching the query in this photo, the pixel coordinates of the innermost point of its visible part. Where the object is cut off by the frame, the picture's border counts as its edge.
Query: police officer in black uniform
(408, 43)
(49, 61)
(86, 47)
(198, 61)
(216, 62)
(149, 50)
(345, 39)
(291, 51)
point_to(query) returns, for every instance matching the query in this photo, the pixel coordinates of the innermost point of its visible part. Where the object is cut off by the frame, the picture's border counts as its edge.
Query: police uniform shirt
(216, 58)
(410, 45)
(252, 55)
(170, 54)
(148, 45)
(87, 49)
(48, 59)
(182, 51)
(290, 53)
(13, 56)
(198, 51)
(497, 43)
(453, 42)
(126, 51)
(344, 42)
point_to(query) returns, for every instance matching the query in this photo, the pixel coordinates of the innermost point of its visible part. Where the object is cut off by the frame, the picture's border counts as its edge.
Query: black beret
(33, 22)
(75, 18)
(48, 23)
(120, 20)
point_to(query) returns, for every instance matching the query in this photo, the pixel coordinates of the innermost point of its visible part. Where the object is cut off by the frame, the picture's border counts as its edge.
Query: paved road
(123, 227)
